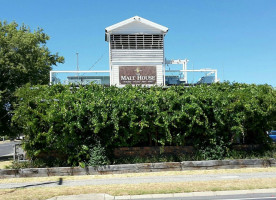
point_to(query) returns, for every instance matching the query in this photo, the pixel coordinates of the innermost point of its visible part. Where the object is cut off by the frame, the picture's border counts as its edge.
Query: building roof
(136, 25)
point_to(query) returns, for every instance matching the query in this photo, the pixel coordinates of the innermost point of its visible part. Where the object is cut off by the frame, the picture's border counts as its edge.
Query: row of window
(136, 41)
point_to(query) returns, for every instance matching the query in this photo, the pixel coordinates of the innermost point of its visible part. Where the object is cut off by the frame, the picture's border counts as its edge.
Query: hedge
(69, 120)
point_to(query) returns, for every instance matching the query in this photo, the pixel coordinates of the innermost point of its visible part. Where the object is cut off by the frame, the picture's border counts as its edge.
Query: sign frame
(137, 75)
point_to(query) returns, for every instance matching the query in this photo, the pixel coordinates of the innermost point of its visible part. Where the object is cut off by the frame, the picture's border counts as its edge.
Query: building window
(136, 41)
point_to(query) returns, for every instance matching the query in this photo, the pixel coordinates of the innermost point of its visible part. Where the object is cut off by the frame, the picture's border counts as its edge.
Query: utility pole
(77, 61)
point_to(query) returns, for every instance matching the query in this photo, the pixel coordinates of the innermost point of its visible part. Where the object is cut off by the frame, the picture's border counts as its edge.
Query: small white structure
(136, 52)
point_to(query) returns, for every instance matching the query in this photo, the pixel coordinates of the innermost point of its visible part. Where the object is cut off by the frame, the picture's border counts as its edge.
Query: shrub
(67, 120)
(26, 164)
(98, 156)
(216, 149)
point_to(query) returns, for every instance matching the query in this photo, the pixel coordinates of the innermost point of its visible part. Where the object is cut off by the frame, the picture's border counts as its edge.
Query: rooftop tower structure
(136, 52)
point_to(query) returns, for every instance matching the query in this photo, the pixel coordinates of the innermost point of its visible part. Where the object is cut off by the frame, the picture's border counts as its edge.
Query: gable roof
(136, 25)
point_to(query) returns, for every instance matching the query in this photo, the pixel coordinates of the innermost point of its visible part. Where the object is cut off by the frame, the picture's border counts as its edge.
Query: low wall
(172, 150)
(147, 151)
(134, 168)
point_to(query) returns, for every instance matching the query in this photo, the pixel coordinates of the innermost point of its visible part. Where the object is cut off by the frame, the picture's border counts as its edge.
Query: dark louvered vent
(136, 41)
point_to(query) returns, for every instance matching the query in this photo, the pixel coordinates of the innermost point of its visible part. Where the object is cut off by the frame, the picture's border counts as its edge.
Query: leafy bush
(98, 156)
(26, 164)
(216, 150)
(68, 120)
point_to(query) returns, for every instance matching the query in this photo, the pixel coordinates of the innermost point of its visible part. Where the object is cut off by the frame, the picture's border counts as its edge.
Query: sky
(236, 37)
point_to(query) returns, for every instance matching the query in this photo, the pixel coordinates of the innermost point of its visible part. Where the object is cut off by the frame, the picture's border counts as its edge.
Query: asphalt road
(143, 179)
(6, 148)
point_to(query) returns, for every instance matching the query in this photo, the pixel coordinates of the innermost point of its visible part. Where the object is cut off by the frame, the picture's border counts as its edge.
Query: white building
(136, 56)
(136, 52)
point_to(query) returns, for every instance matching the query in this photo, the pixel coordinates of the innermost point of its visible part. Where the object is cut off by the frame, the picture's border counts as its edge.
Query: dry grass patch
(5, 163)
(137, 189)
(147, 174)
(8, 141)
(4, 142)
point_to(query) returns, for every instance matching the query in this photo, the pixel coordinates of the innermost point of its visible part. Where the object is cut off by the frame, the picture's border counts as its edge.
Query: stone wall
(147, 151)
(172, 150)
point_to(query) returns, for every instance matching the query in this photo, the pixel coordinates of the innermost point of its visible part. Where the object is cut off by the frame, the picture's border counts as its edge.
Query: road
(142, 179)
(6, 148)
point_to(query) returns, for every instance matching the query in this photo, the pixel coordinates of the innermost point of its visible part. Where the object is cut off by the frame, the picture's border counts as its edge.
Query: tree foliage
(24, 58)
(70, 120)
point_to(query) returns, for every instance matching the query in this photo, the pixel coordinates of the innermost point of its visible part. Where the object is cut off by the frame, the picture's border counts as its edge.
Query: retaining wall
(172, 150)
(142, 167)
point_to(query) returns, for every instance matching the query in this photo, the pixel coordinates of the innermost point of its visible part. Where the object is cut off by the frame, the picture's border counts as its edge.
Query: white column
(50, 78)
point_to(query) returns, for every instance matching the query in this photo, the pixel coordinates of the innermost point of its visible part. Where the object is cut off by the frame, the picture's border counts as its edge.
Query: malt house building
(136, 52)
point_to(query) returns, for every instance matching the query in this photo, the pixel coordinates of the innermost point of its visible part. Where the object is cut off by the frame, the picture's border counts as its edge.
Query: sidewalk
(153, 196)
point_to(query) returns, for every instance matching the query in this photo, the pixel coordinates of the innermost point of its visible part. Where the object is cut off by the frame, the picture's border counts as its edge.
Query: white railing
(76, 72)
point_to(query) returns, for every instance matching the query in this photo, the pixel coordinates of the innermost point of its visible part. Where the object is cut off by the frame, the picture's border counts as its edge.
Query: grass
(5, 163)
(137, 189)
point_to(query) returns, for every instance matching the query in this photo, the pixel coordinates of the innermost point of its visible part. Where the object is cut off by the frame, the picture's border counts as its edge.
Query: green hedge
(68, 121)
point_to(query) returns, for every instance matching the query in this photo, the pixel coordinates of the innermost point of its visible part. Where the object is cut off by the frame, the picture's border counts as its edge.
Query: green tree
(24, 58)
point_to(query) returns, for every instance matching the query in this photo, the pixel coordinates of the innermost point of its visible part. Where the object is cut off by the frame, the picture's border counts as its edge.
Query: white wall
(137, 55)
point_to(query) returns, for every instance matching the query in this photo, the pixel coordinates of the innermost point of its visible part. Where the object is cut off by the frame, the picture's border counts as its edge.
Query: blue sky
(237, 37)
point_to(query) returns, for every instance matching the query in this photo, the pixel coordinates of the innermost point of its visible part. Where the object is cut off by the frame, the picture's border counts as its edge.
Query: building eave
(109, 29)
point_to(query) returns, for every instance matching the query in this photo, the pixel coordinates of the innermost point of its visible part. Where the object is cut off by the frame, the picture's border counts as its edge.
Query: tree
(24, 58)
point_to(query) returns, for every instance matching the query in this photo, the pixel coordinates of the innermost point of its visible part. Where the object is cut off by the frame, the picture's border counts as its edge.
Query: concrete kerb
(84, 197)
(141, 167)
(197, 194)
